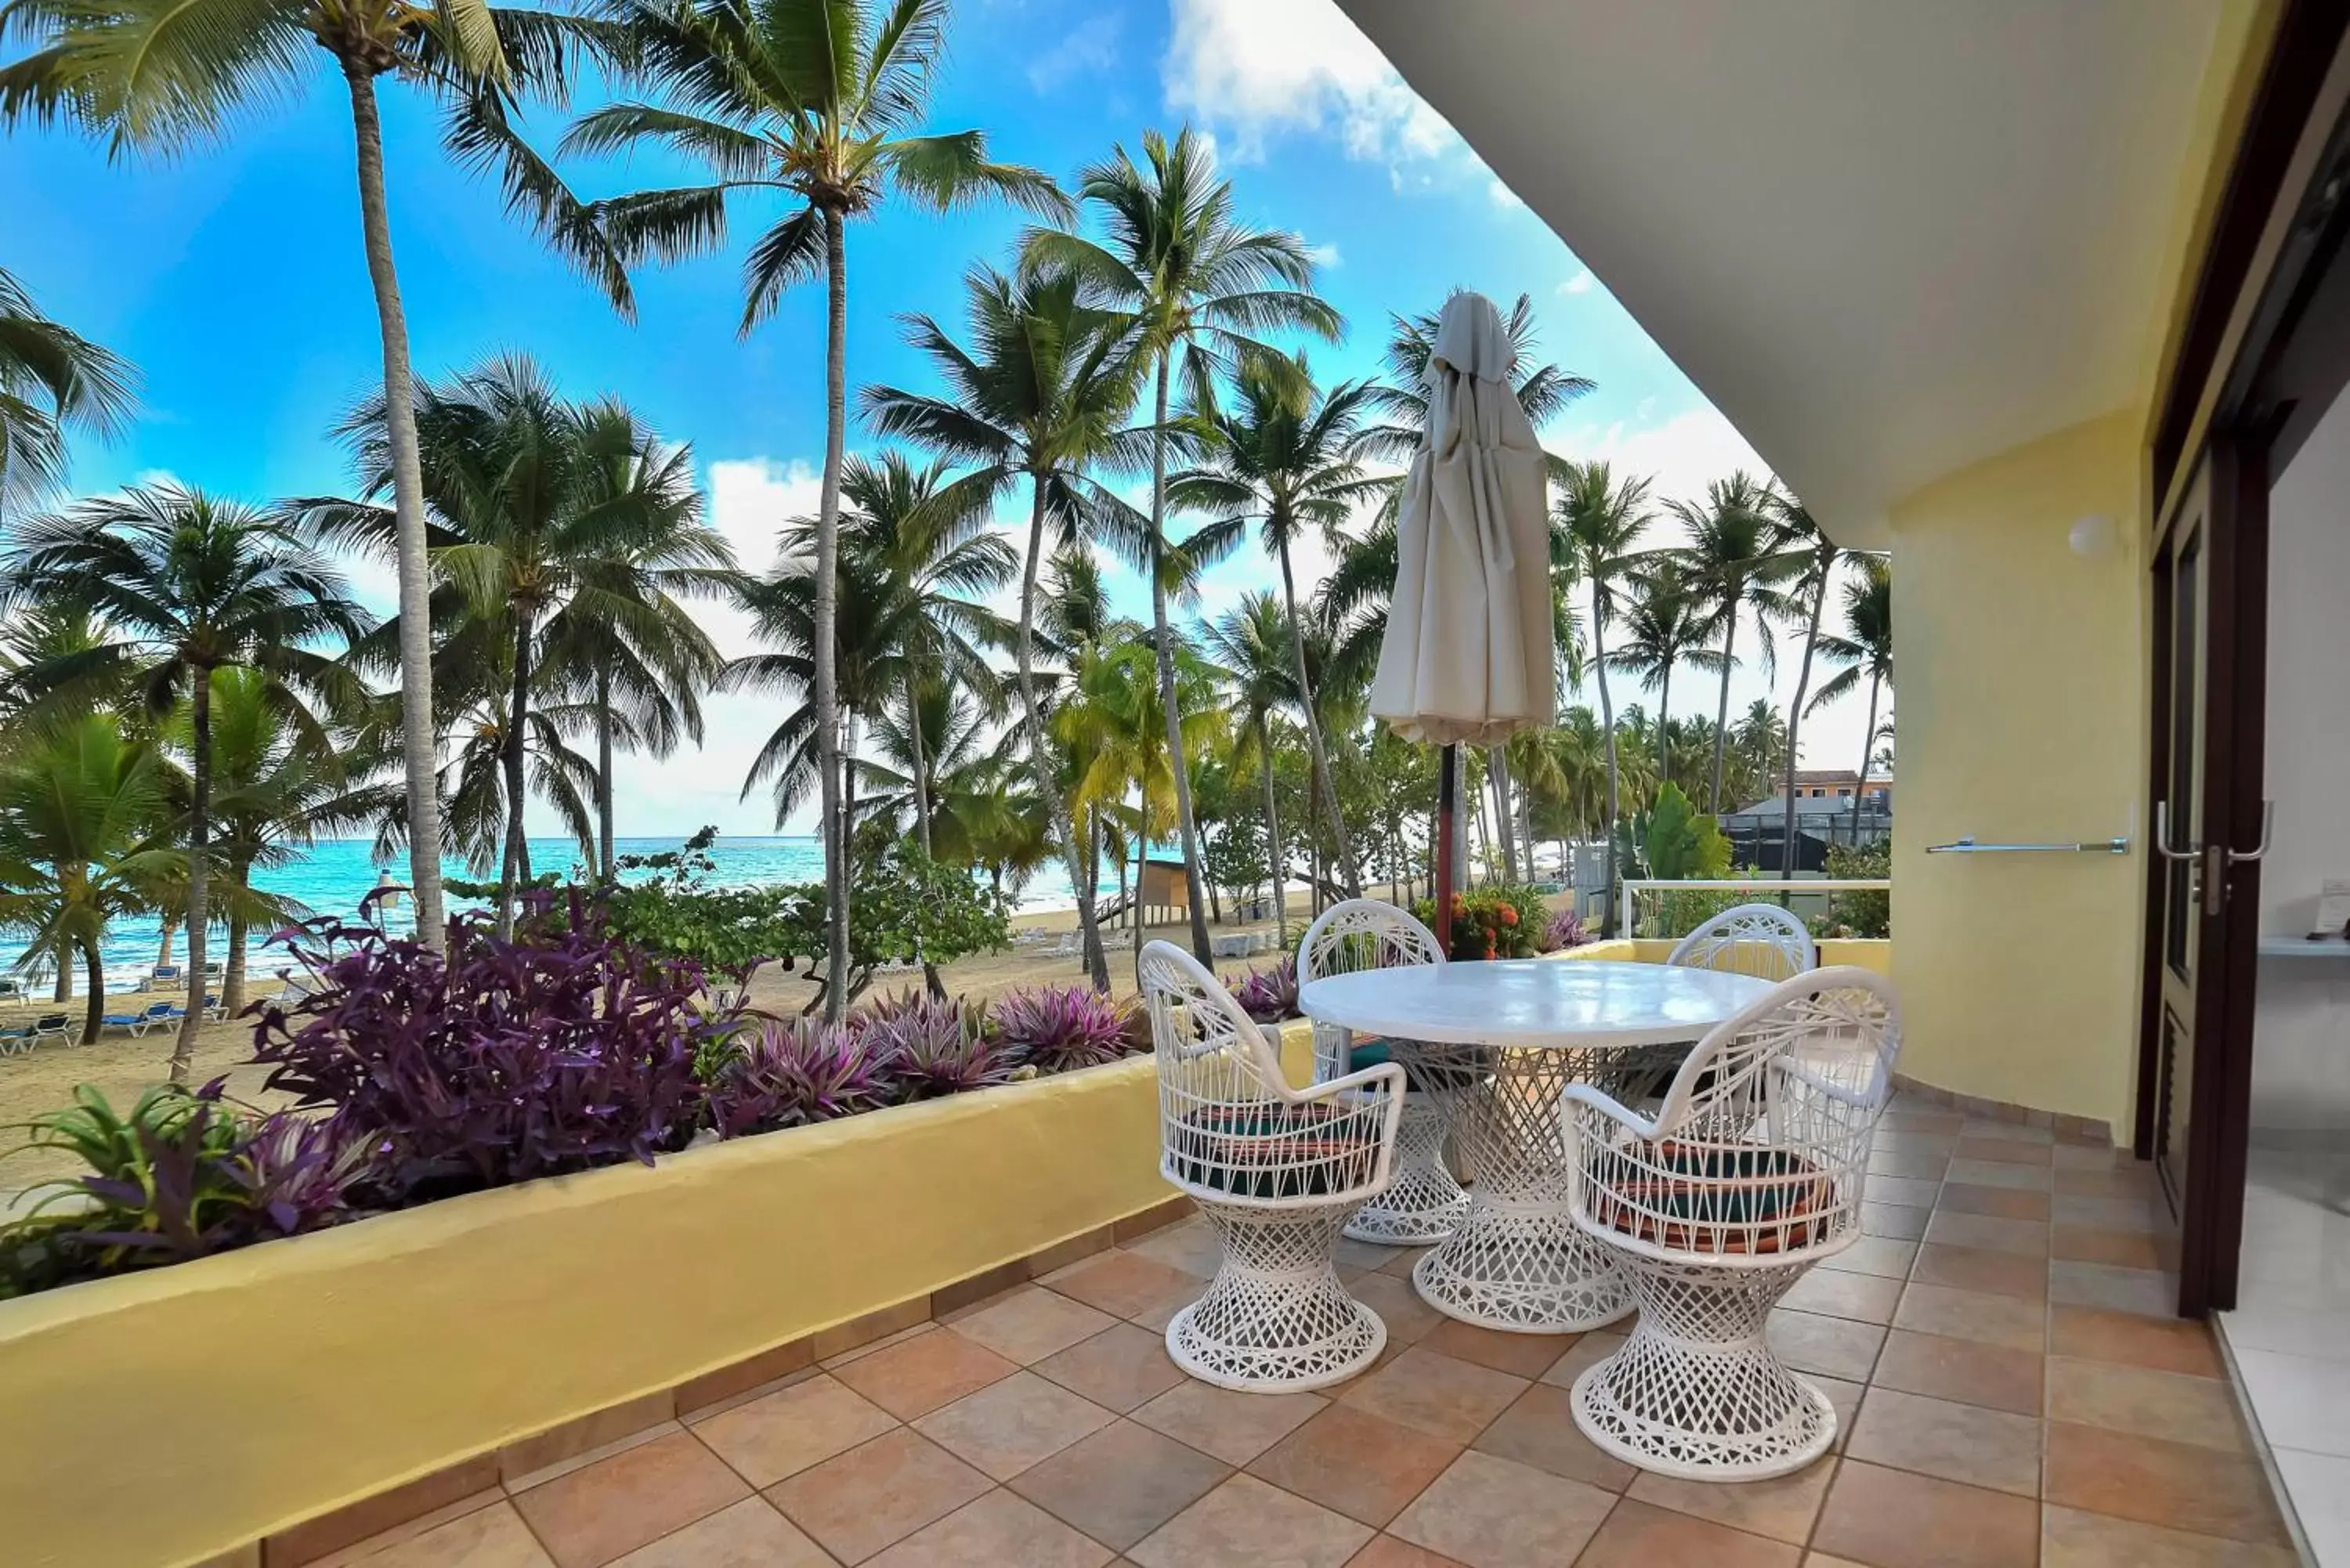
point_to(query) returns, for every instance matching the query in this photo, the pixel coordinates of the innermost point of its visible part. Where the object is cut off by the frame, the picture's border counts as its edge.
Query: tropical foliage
(948, 679)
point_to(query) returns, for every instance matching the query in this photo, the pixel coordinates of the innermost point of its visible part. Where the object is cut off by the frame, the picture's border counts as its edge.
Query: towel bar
(2082, 847)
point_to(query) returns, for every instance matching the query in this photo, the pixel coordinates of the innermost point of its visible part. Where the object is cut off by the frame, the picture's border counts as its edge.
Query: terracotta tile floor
(2011, 1393)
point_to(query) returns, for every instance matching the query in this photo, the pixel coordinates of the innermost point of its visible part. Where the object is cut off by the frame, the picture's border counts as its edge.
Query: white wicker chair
(1278, 1172)
(1750, 1173)
(1761, 939)
(1425, 1204)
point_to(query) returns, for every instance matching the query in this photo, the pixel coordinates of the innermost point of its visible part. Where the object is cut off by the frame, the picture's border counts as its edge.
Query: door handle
(2268, 820)
(2162, 837)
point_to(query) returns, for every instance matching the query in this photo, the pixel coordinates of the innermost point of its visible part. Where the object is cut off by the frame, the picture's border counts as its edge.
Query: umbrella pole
(1448, 786)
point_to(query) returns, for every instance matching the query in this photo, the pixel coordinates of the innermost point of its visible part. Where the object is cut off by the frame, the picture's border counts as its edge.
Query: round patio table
(1505, 1037)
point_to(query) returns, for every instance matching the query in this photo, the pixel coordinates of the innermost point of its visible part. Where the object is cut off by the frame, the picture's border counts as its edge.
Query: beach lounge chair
(16, 1040)
(167, 977)
(11, 989)
(56, 1025)
(212, 1008)
(156, 1015)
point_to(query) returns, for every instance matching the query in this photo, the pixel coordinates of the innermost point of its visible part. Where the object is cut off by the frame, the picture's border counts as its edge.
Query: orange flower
(1509, 916)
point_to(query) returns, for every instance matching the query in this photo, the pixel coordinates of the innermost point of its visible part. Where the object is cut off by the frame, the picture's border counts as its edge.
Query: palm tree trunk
(1272, 839)
(200, 857)
(63, 990)
(1040, 748)
(921, 768)
(1606, 723)
(1325, 787)
(232, 972)
(1867, 744)
(517, 715)
(1500, 769)
(606, 862)
(931, 981)
(1826, 561)
(827, 589)
(418, 747)
(1165, 641)
(1722, 711)
(171, 940)
(1665, 731)
(93, 1017)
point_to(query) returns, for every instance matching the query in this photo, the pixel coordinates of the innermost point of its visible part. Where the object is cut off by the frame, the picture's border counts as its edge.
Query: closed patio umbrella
(1469, 653)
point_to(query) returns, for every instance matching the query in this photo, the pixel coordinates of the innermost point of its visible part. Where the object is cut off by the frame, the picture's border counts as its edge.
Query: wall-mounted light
(2093, 537)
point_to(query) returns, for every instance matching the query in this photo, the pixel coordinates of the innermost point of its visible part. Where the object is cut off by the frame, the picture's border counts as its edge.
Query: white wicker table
(1521, 1030)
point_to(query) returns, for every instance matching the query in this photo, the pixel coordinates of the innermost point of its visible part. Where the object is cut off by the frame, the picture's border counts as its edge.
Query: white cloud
(1324, 256)
(1682, 455)
(1088, 49)
(1581, 283)
(1260, 67)
(749, 499)
(1502, 195)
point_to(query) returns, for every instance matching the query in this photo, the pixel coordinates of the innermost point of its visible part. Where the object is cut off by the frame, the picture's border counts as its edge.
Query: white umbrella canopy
(1469, 653)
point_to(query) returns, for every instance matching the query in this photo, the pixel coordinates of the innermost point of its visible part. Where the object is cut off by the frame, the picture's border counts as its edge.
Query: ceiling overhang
(1887, 238)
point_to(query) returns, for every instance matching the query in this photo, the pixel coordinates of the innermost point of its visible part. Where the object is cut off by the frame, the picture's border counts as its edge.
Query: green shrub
(1859, 914)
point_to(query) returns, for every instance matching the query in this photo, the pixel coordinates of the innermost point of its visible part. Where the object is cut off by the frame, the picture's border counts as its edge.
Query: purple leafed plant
(1060, 1029)
(501, 1062)
(935, 1047)
(789, 1071)
(1269, 994)
(1563, 929)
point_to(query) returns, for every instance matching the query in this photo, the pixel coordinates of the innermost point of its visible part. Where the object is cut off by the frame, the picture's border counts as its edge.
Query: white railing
(1772, 886)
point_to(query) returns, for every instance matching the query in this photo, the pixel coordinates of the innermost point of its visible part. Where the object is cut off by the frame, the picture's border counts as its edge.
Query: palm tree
(1251, 641)
(185, 585)
(1665, 625)
(1865, 650)
(814, 99)
(81, 842)
(1601, 518)
(481, 802)
(1198, 282)
(1737, 556)
(915, 553)
(1543, 388)
(1802, 533)
(52, 380)
(1114, 721)
(560, 527)
(1284, 457)
(163, 77)
(276, 792)
(1040, 396)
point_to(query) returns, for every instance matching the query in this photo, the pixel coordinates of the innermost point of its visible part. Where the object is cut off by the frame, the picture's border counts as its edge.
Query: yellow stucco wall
(2023, 685)
(155, 1420)
(2023, 719)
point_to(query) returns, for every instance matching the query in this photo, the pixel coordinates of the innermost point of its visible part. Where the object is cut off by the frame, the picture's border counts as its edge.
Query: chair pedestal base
(1424, 1205)
(1696, 1391)
(1276, 1318)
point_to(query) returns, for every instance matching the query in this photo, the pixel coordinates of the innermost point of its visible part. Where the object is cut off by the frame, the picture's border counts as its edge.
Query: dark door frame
(2243, 369)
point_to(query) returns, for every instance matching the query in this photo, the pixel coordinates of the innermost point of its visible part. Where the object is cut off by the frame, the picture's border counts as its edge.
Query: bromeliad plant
(501, 1062)
(1563, 929)
(184, 1174)
(1269, 994)
(932, 1047)
(788, 1072)
(1059, 1029)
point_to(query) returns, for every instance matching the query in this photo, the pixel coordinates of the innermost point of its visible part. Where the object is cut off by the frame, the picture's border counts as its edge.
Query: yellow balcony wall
(159, 1419)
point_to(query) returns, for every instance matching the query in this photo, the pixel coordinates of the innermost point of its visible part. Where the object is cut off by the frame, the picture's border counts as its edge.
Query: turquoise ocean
(332, 876)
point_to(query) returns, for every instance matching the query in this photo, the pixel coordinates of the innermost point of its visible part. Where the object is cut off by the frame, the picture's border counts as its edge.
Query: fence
(1809, 897)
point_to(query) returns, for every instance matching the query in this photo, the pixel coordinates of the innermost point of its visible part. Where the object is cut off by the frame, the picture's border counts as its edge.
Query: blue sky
(234, 280)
